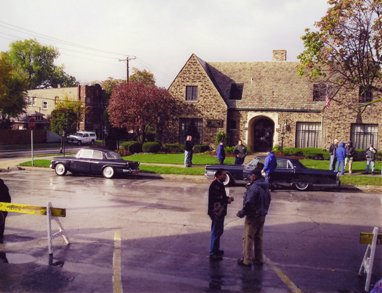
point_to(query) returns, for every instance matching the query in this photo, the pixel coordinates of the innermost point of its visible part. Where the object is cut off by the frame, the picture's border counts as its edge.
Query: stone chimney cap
(279, 55)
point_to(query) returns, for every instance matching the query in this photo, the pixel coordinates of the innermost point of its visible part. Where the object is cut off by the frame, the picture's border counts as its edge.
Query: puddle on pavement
(17, 258)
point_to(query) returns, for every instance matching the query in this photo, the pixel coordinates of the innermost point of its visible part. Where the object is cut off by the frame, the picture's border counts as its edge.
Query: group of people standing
(342, 155)
(240, 152)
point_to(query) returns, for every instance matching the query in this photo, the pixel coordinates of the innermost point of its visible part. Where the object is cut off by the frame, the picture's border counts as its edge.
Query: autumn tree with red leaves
(137, 106)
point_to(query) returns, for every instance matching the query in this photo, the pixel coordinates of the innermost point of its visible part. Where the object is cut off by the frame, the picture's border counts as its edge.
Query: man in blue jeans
(217, 210)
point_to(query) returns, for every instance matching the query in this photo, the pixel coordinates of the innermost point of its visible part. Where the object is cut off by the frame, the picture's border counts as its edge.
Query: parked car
(93, 161)
(289, 172)
(82, 137)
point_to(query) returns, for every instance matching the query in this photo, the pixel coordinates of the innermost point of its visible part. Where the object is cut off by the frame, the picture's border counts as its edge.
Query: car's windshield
(78, 134)
(112, 155)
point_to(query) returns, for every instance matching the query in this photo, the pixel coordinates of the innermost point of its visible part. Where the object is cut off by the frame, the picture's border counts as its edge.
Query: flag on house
(327, 101)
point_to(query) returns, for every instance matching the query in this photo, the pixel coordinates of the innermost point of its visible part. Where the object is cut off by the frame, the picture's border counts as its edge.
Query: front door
(263, 135)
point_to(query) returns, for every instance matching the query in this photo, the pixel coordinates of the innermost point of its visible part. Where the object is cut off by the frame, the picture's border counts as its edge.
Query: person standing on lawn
(340, 156)
(220, 153)
(332, 152)
(188, 150)
(370, 154)
(350, 152)
(217, 210)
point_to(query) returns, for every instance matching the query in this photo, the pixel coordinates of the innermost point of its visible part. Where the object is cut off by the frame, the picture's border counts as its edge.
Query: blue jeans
(332, 162)
(342, 164)
(369, 164)
(188, 158)
(217, 229)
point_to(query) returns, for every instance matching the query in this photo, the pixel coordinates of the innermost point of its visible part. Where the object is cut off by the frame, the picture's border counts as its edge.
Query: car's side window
(282, 164)
(97, 155)
(85, 154)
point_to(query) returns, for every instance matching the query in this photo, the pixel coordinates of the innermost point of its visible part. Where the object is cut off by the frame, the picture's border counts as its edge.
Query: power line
(51, 38)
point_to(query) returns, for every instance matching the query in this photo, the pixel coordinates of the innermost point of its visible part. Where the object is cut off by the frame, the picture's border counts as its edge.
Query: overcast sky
(92, 35)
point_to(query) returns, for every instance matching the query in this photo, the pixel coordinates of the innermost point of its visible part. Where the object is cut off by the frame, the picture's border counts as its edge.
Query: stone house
(266, 104)
(43, 102)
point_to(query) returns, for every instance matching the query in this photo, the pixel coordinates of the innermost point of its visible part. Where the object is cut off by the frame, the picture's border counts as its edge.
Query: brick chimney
(279, 55)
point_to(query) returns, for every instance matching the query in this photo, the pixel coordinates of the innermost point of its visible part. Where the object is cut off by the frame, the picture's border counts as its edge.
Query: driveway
(151, 235)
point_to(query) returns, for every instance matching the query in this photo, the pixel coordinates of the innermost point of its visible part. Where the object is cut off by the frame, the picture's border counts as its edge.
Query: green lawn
(200, 160)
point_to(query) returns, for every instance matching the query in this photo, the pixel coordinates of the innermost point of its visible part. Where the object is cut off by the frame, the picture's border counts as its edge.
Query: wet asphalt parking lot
(147, 234)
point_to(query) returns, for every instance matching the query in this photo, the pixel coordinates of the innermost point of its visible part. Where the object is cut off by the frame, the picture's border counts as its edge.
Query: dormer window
(320, 91)
(191, 93)
(365, 94)
(236, 91)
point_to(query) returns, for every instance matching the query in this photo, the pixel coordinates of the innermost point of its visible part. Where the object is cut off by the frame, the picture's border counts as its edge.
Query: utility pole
(127, 65)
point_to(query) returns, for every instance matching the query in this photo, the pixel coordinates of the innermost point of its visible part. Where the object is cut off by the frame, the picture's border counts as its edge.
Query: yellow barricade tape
(366, 238)
(31, 210)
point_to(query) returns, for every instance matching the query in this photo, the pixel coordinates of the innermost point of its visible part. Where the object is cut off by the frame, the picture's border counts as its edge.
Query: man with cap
(256, 203)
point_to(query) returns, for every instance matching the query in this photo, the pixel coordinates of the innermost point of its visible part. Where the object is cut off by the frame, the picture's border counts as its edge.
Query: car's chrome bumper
(210, 174)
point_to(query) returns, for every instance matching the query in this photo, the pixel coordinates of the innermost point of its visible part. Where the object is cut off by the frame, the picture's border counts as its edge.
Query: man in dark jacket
(256, 203)
(4, 197)
(217, 210)
(188, 151)
(350, 152)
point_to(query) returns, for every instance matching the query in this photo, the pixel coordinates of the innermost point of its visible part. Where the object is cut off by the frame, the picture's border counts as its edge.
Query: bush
(220, 136)
(201, 148)
(173, 148)
(131, 147)
(229, 149)
(151, 147)
(307, 153)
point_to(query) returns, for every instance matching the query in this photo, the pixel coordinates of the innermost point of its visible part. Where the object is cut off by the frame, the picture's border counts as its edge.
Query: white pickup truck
(82, 137)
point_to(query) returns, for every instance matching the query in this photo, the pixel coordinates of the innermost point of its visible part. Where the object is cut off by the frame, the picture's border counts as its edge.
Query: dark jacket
(340, 152)
(188, 146)
(4, 193)
(350, 150)
(370, 154)
(270, 163)
(217, 200)
(257, 199)
(332, 149)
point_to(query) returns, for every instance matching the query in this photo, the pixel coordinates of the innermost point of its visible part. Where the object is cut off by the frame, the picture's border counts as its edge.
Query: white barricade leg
(368, 259)
(61, 231)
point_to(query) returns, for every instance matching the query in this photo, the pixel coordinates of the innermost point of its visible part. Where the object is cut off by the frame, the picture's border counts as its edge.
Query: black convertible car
(289, 172)
(94, 162)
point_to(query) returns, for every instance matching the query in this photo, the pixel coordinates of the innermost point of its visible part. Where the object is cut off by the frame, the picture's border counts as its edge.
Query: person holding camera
(217, 210)
(256, 203)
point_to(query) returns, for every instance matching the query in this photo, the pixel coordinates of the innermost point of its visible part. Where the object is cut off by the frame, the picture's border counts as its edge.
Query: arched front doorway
(263, 129)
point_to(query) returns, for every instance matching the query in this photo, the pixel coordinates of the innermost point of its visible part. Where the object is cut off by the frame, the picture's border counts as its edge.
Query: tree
(36, 63)
(138, 106)
(74, 106)
(109, 84)
(63, 121)
(12, 91)
(143, 76)
(346, 50)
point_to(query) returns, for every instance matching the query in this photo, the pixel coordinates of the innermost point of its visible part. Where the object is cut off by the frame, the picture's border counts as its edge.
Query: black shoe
(258, 262)
(215, 257)
(220, 252)
(240, 262)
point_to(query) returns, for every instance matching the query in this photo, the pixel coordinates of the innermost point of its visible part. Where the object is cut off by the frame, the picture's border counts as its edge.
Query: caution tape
(31, 210)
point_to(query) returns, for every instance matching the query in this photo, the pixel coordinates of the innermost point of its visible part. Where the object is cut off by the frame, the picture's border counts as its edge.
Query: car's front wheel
(60, 169)
(228, 180)
(108, 172)
(302, 186)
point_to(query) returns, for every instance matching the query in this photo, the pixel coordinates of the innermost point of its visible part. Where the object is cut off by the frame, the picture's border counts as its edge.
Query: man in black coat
(217, 210)
(4, 197)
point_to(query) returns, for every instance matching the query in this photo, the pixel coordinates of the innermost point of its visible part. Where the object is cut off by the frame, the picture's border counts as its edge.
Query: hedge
(173, 148)
(131, 147)
(151, 147)
(201, 148)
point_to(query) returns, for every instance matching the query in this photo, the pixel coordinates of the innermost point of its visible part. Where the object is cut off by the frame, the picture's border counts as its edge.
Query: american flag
(327, 101)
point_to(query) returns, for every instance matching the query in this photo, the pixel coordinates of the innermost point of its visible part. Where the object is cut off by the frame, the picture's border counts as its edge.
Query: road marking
(283, 277)
(117, 279)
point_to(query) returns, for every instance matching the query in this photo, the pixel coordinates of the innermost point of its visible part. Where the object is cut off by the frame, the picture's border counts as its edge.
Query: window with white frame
(363, 135)
(45, 104)
(308, 134)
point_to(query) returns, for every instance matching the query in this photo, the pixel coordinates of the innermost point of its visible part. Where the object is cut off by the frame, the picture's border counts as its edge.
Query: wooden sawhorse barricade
(372, 240)
(49, 211)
